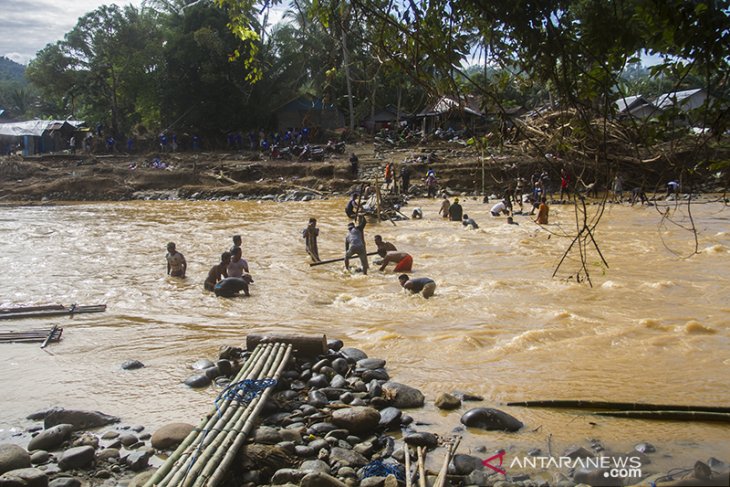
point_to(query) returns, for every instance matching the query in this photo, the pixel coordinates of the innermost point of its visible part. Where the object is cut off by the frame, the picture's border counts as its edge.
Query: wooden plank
(28, 309)
(340, 259)
(55, 312)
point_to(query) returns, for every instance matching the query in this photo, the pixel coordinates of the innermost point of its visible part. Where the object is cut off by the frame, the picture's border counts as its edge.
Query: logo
(499, 456)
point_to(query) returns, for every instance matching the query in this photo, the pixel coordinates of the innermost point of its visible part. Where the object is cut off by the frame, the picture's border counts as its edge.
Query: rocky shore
(336, 419)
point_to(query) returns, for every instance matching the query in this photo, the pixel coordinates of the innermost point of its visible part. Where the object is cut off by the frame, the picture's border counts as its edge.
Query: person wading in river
(403, 261)
(424, 285)
(238, 265)
(310, 235)
(383, 246)
(217, 272)
(355, 244)
(176, 265)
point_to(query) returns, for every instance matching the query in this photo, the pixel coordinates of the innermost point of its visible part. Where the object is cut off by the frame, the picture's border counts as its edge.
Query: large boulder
(24, 477)
(51, 438)
(171, 435)
(81, 420)
(77, 457)
(358, 419)
(491, 420)
(402, 396)
(13, 457)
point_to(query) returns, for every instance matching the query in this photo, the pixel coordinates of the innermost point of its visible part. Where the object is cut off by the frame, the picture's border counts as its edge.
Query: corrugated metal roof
(35, 127)
(669, 99)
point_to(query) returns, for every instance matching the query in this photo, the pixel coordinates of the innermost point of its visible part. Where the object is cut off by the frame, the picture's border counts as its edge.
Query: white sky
(27, 26)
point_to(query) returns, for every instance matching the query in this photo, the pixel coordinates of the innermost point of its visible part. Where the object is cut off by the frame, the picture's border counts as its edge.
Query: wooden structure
(48, 310)
(32, 336)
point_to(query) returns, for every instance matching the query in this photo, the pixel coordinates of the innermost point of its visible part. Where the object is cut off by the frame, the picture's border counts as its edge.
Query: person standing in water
(542, 212)
(237, 241)
(355, 244)
(218, 272)
(424, 285)
(310, 235)
(176, 264)
(237, 266)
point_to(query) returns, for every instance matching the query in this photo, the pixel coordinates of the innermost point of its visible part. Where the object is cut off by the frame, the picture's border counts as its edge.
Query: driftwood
(10, 313)
(302, 345)
(617, 406)
(32, 336)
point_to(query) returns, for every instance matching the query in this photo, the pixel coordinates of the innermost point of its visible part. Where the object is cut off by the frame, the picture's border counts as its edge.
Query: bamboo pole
(618, 406)
(174, 460)
(408, 466)
(339, 259)
(188, 474)
(206, 461)
(421, 467)
(224, 464)
(441, 478)
(50, 335)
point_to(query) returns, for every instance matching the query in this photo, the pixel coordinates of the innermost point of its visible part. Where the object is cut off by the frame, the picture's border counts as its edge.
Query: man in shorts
(403, 261)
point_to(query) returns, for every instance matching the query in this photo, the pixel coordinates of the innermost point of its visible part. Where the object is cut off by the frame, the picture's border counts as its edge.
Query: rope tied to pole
(243, 391)
(378, 468)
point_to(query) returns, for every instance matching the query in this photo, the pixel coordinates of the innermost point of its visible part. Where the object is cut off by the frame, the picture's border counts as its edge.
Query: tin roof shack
(455, 113)
(38, 136)
(309, 112)
(682, 103)
(635, 106)
(386, 118)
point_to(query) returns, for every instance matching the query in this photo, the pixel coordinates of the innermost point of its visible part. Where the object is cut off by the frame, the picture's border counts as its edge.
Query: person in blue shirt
(424, 285)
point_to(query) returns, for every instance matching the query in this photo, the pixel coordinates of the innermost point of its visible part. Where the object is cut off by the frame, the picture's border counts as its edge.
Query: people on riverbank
(355, 244)
(424, 285)
(383, 246)
(176, 264)
(403, 261)
(310, 235)
(218, 272)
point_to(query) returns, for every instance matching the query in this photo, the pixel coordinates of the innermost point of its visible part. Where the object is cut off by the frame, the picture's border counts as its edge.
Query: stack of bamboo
(205, 456)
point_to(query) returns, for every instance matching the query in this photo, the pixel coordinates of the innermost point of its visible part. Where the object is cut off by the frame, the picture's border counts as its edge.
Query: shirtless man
(238, 265)
(445, 205)
(236, 243)
(383, 246)
(176, 265)
(217, 272)
(231, 286)
(543, 212)
(403, 261)
(424, 285)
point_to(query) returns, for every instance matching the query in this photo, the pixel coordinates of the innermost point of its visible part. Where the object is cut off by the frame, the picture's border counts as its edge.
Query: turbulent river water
(653, 328)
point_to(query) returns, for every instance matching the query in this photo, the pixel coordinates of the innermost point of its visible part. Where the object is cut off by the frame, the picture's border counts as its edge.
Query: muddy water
(654, 328)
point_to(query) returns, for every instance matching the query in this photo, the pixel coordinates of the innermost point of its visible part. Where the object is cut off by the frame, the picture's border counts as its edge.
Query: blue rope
(377, 468)
(244, 391)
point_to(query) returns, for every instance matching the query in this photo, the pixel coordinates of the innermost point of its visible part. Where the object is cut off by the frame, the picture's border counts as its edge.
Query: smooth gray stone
(197, 380)
(128, 439)
(338, 382)
(24, 477)
(77, 457)
(51, 438)
(359, 419)
(212, 372)
(107, 454)
(390, 417)
(65, 482)
(465, 464)
(403, 396)
(318, 444)
(447, 401)
(373, 482)
(421, 438)
(13, 457)
(137, 461)
(110, 435)
(132, 365)
(304, 451)
(81, 420)
(352, 355)
(267, 436)
(316, 367)
(645, 447)
(170, 435)
(347, 457)
(288, 476)
(340, 365)
(375, 374)
(315, 466)
(225, 367)
(491, 420)
(202, 364)
(334, 344)
(318, 381)
(321, 428)
(370, 363)
(39, 457)
(320, 479)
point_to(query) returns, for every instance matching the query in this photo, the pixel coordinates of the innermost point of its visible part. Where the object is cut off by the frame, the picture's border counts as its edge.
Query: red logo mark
(500, 456)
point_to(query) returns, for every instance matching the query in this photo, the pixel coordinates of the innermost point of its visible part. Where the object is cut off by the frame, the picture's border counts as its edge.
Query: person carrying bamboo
(355, 244)
(310, 235)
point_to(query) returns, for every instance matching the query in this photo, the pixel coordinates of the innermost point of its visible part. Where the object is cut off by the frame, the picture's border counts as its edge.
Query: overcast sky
(27, 26)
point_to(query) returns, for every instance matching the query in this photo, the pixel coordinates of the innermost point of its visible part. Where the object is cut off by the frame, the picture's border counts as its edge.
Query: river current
(653, 328)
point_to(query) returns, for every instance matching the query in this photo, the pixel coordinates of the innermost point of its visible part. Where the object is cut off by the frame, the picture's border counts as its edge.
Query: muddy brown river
(654, 328)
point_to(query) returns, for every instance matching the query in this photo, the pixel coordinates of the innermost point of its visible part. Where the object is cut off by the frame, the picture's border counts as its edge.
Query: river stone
(107, 454)
(335, 344)
(76, 457)
(81, 420)
(287, 476)
(465, 464)
(373, 482)
(197, 380)
(40, 415)
(340, 365)
(65, 482)
(491, 420)
(24, 477)
(375, 374)
(390, 417)
(127, 439)
(353, 354)
(348, 458)
(595, 477)
(267, 435)
(13, 457)
(304, 451)
(315, 466)
(447, 401)
(320, 479)
(137, 461)
(421, 438)
(338, 382)
(645, 447)
(356, 419)
(403, 396)
(170, 435)
(132, 365)
(39, 457)
(225, 367)
(370, 363)
(318, 444)
(110, 435)
(141, 479)
(202, 364)
(212, 372)
(87, 439)
(51, 438)
(321, 428)
(575, 451)
(316, 367)
(318, 381)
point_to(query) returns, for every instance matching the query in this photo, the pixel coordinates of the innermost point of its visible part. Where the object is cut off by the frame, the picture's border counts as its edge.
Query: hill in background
(11, 71)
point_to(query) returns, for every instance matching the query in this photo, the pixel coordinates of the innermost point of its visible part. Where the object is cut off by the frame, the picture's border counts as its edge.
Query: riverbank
(334, 420)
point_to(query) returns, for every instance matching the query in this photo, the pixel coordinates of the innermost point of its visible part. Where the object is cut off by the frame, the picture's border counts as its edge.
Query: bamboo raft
(206, 455)
(48, 310)
(32, 336)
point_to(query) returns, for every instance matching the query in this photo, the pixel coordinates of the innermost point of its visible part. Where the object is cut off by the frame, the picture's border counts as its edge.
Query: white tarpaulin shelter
(36, 127)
